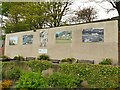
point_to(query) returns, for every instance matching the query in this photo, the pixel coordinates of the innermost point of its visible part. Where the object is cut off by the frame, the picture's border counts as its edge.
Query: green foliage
(17, 27)
(70, 60)
(59, 80)
(10, 71)
(67, 76)
(32, 80)
(13, 70)
(43, 57)
(2, 37)
(4, 57)
(20, 58)
(38, 66)
(106, 61)
(25, 16)
(98, 76)
(0, 70)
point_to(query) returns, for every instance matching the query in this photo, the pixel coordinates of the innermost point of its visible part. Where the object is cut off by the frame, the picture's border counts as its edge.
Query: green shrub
(70, 60)
(106, 61)
(43, 57)
(19, 58)
(59, 80)
(32, 80)
(97, 76)
(10, 71)
(38, 66)
(3, 57)
(1, 71)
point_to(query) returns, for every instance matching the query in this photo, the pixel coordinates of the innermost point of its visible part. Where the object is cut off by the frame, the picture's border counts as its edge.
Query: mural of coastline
(93, 35)
(13, 40)
(64, 37)
(43, 38)
(27, 39)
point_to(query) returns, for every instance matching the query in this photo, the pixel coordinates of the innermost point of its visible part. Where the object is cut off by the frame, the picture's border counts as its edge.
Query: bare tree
(86, 14)
(115, 4)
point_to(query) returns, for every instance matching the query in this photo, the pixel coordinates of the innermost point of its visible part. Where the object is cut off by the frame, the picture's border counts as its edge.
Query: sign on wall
(43, 38)
(64, 37)
(13, 40)
(93, 35)
(42, 51)
(27, 39)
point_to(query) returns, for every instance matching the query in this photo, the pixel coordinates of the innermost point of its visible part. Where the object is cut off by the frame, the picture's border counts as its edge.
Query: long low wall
(68, 41)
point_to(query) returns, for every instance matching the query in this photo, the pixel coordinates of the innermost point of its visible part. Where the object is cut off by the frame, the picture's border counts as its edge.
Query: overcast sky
(100, 7)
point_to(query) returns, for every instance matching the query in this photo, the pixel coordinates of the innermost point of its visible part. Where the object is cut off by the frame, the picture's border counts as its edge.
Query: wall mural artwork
(93, 35)
(13, 40)
(27, 39)
(43, 38)
(64, 37)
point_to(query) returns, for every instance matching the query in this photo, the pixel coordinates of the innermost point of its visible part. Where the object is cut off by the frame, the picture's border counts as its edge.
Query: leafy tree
(33, 15)
(56, 10)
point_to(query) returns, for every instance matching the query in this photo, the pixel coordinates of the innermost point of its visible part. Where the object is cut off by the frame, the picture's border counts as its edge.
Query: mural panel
(13, 40)
(64, 37)
(93, 35)
(27, 39)
(43, 38)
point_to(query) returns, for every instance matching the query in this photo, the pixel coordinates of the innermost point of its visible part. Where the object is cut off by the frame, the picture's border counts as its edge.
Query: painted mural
(13, 40)
(64, 37)
(93, 35)
(43, 38)
(27, 39)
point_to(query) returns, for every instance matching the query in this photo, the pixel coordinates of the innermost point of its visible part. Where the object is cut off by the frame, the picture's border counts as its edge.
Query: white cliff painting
(43, 38)
(13, 40)
(93, 35)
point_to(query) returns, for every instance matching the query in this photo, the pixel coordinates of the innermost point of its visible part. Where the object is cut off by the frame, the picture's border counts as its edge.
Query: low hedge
(39, 65)
(32, 80)
(13, 70)
(43, 57)
(98, 76)
(59, 80)
(10, 71)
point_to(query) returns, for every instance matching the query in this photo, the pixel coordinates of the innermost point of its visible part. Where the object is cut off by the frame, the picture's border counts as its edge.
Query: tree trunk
(118, 7)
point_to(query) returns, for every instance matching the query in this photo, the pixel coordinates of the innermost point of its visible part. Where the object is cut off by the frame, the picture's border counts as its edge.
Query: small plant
(32, 80)
(3, 57)
(106, 61)
(7, 83)
(59, 80)
(10, 70)
(20, 58)
(39, 66)
(43, 57)
(70, 60)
